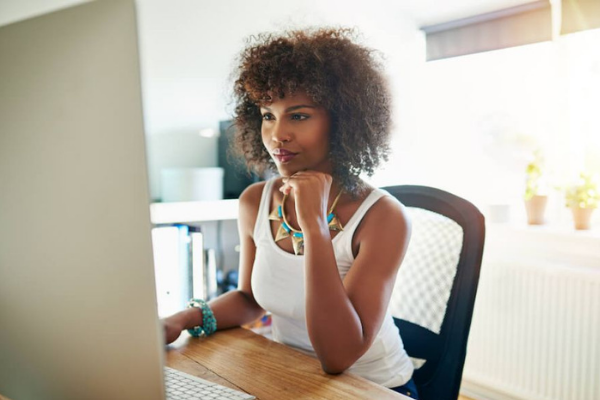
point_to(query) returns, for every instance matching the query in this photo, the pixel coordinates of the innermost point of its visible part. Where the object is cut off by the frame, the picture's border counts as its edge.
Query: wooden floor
(464, 398)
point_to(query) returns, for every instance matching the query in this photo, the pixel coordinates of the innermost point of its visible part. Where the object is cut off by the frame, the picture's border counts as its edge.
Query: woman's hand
(174, 325)
(311, 191)
(172, 331)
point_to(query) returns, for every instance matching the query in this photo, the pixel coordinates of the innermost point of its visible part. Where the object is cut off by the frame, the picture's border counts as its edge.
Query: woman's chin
(286, 172)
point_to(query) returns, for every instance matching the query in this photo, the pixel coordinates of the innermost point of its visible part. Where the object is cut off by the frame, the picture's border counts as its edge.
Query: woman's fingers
(285, 189)
(311, 180)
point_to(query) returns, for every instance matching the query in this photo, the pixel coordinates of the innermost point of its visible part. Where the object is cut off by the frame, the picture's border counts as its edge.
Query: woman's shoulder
(250, 197)
(248, 206)
(253, 192)
(385, 211)
(383, 226)
(380, 200)
(388, 205)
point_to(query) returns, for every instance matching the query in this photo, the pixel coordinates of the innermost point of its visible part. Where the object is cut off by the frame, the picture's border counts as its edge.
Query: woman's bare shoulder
(250, 201)
(252, 194)
(385, 206)
(388, 207)
(388, 216)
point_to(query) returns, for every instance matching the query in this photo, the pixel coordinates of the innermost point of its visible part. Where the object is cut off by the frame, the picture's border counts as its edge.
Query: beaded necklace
(286, 230)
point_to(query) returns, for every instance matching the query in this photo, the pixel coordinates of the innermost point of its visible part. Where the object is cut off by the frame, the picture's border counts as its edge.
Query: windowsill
(553, 243)
(550, 229)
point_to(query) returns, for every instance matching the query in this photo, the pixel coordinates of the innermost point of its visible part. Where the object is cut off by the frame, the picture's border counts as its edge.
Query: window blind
(515, 26)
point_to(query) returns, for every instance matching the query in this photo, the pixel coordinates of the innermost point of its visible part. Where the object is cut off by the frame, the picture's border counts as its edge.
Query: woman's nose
(281, 132)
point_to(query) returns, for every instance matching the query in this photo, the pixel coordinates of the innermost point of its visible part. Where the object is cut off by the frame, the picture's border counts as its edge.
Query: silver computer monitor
(78, 313)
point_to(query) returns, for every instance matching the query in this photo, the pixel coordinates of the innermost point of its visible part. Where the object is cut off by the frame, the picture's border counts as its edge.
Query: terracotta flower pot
(536, 208)
(582, 217)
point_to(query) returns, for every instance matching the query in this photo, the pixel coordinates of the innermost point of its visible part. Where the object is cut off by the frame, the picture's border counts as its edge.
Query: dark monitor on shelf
(236, 177)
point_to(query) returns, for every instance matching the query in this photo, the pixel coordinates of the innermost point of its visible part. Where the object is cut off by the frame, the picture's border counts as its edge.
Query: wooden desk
(241, 359)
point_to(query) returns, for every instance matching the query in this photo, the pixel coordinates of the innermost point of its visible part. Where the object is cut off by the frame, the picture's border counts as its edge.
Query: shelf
(193, 211)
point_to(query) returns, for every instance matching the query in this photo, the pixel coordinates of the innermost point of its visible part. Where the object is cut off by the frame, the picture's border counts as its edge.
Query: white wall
(477, 120)
(479, 117)
(189, 47)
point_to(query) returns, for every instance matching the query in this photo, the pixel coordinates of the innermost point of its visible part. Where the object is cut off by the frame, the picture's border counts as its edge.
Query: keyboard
(182, 386)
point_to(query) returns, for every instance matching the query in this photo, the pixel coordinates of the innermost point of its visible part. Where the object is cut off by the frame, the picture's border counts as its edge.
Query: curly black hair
(336, 73)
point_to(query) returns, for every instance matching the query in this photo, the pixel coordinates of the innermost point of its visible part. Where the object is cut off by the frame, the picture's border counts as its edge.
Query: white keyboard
(181, 386)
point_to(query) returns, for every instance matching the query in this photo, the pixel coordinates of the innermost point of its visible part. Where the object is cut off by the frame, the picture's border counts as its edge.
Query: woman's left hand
(311, 192)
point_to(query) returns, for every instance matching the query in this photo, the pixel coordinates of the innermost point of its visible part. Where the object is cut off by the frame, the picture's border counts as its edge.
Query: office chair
(433, 299)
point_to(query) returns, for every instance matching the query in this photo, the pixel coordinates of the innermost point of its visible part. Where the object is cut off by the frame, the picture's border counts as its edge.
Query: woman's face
(295, 131)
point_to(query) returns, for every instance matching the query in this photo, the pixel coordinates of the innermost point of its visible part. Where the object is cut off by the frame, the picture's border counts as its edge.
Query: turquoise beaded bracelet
(209, 323)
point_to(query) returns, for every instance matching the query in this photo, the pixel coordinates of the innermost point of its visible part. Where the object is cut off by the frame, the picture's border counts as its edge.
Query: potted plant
(535, 201)
(582, 198)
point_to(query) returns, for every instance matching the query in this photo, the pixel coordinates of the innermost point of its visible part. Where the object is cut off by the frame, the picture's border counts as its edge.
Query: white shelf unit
(193, 211)
(179, 270)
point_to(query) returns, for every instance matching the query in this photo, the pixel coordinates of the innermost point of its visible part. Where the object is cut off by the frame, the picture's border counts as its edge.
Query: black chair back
(440, 376)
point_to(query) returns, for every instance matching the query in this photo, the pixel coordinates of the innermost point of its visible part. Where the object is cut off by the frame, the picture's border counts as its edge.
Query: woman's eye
(267, 117)
(299, 117)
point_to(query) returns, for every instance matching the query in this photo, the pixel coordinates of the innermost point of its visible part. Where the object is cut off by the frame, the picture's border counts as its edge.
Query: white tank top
(278, 286)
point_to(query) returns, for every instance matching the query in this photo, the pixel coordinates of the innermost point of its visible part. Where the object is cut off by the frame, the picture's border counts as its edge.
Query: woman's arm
(344, 317)
(236, 307)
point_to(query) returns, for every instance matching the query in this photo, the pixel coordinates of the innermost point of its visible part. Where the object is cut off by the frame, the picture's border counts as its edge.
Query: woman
(320, 249)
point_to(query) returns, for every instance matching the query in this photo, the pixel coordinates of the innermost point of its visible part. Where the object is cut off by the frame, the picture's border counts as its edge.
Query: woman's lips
(283, 156)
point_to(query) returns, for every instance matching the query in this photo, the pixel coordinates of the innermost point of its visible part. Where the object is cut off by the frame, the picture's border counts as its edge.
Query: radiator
(536, 325)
